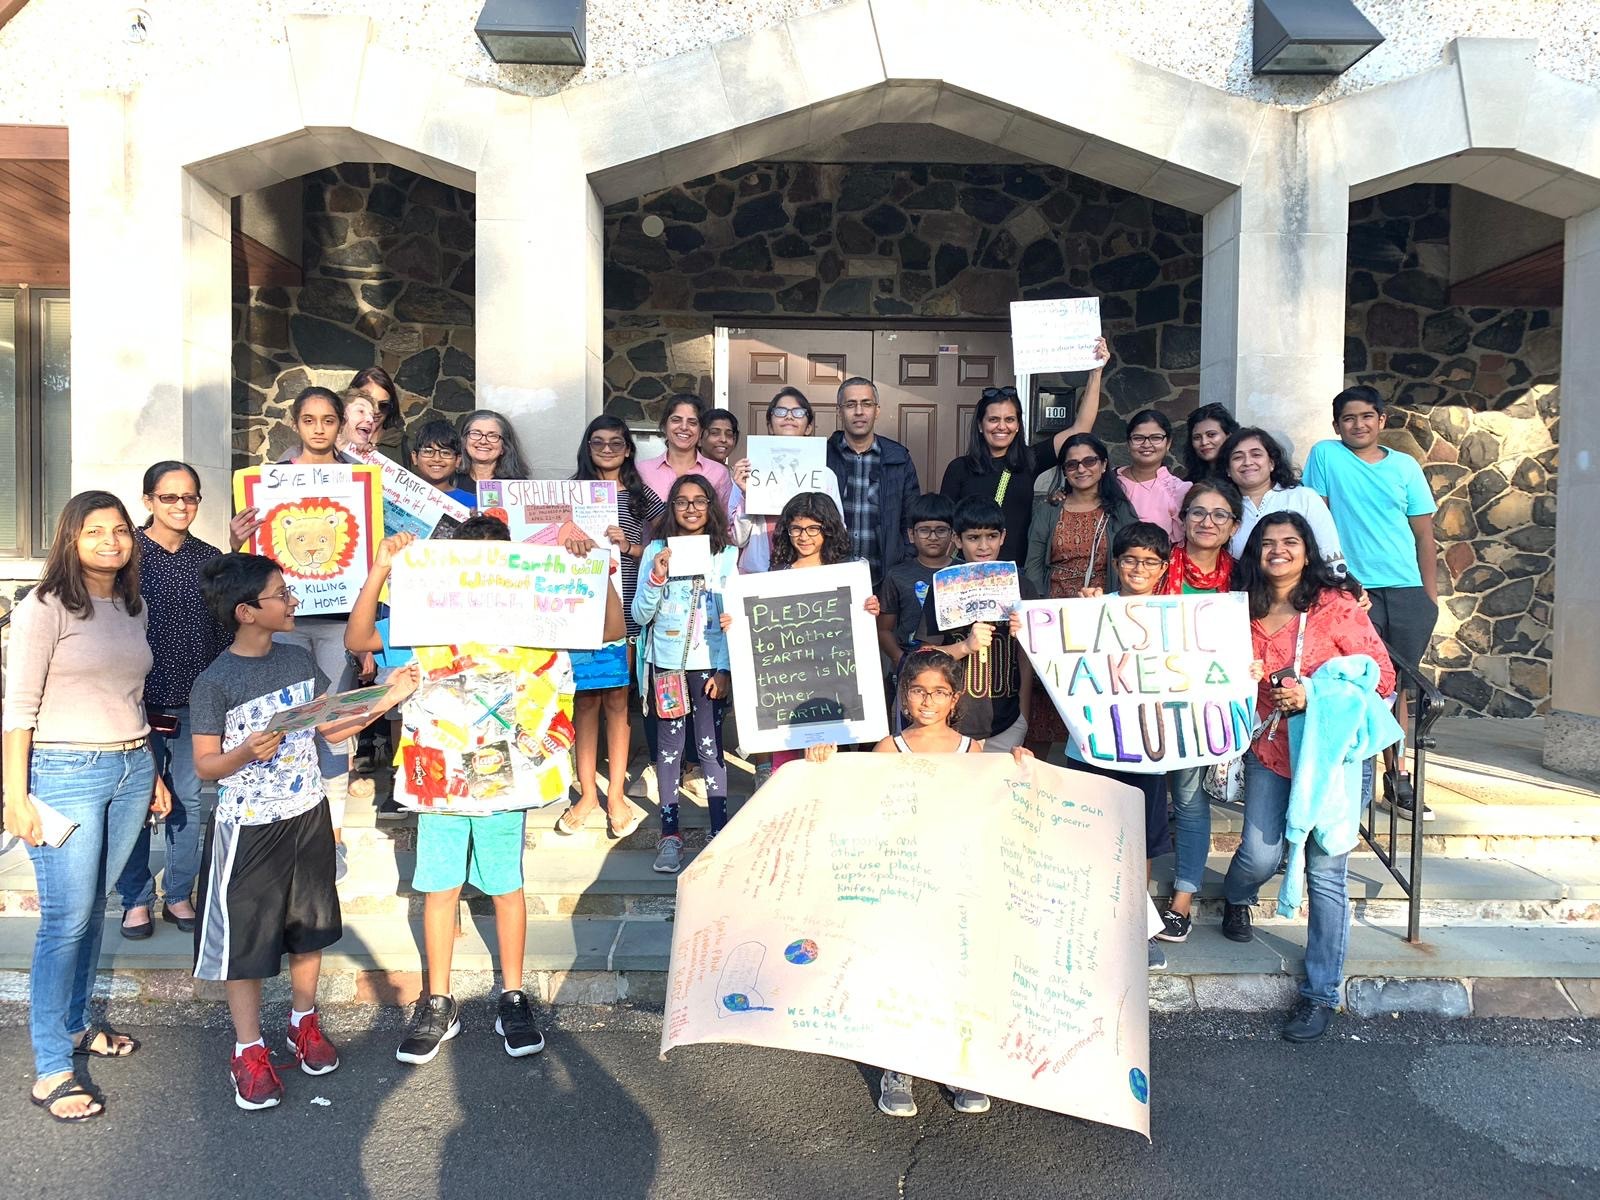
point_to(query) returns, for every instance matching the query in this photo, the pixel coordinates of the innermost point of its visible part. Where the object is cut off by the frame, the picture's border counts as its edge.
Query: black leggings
(704, 722)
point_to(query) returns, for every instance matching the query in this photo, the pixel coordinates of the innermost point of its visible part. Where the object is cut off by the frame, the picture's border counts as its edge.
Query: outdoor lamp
(1311, 37)
(543, 32)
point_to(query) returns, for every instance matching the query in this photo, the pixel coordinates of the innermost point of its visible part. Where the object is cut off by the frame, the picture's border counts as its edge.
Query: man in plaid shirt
(877, 479)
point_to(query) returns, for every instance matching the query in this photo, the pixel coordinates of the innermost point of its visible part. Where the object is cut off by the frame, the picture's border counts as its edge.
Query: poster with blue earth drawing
(1023, 887)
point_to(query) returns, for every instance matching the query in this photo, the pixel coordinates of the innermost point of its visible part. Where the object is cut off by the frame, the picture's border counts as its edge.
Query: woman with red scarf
(1201, 563)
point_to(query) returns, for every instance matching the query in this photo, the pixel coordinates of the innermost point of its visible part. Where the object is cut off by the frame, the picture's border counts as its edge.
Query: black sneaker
(1398, 792)
(1236, 922)
(391, 810)
(435, 1023)
(515, 1025)
(1308, 1021)
(1174, 927)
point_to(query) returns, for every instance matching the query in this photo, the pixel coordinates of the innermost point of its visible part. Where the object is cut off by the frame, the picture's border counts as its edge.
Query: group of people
(147, 664)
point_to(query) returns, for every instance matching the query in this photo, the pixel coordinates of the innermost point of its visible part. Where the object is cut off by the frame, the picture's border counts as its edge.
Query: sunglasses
(994, 393)
(189, 498)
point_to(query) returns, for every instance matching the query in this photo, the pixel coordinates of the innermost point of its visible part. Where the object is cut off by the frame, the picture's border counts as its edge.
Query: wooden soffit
(256, 264)
(1532, 281)
(34, 245)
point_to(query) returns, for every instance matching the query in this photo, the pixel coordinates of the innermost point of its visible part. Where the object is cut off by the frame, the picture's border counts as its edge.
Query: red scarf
(1181, 570)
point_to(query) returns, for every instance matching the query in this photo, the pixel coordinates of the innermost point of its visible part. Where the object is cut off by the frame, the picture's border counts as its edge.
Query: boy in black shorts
(267, 877)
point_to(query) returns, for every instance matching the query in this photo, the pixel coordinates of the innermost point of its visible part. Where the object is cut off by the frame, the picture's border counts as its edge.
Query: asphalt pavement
(1386, 1108)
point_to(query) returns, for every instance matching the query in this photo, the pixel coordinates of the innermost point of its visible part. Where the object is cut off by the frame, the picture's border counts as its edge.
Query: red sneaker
(255, 1079)
(315, 1052)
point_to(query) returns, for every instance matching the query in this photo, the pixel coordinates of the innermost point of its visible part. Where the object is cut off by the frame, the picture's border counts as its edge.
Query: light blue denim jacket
(663, 616)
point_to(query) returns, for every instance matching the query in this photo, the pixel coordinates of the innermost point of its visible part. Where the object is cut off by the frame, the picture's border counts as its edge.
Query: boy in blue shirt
(1383, 509)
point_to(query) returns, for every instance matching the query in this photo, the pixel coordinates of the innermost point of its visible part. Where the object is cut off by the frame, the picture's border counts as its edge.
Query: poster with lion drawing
(319, 523)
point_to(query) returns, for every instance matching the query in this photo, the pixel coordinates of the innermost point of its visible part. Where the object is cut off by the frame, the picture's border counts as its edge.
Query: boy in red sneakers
(267, 876)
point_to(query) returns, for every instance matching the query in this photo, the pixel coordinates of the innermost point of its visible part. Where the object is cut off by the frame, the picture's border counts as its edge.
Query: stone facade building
(1257, 240)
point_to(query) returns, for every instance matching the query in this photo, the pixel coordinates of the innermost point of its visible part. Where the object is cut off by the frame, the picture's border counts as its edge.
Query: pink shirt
(659, 476)
(1158, 500)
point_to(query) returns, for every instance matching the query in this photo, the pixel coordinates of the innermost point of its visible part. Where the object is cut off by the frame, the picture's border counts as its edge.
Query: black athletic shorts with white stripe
(265, 891)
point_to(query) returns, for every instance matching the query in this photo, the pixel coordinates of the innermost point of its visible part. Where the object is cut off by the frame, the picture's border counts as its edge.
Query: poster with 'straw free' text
(320, 523)
(1147, 684)
(976, 923)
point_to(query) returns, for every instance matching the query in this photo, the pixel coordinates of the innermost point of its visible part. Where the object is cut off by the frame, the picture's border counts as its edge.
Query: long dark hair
(1113, 500)
(153, 474)
(820, 507)
(1194, 467)
(316, 393)
(716, 515)
(510, 465)
(378, 377)
(63, 569)
(1317, 577)
(979, 460)
(632, 482)
(1283, 472)
(929, 658)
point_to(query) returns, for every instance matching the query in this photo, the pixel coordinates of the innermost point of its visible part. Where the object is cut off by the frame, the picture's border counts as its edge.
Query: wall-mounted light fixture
(1311, 37)
(542, 32)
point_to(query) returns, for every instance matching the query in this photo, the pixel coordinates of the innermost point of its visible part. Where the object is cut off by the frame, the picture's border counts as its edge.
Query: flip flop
(70, 1086)
(124, 1049)
(563, 828)
(636, 820)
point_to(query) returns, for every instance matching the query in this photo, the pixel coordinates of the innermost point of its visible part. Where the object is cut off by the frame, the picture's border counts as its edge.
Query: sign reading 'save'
(781, 468)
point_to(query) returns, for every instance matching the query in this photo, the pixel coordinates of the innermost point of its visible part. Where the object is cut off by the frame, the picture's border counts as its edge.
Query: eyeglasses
(484, 437)
(189, 498)
(858, 406)
(915, 692)
(994, 393)
(1217, 516)
(1147, 439)
(697, 504)
(1081, 464)
(928, 531)
(607, 445)
(1133, 563)
(805, 531)
(786, 411)
(287, 595)
(436, 452)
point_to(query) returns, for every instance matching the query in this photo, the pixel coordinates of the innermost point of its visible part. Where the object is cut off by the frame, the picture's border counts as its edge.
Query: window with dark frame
(35, 417)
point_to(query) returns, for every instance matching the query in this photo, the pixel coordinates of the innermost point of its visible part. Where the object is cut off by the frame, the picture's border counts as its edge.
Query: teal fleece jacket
(1344, 724)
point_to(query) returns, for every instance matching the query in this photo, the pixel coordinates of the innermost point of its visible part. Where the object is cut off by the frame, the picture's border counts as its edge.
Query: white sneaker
(341, 862)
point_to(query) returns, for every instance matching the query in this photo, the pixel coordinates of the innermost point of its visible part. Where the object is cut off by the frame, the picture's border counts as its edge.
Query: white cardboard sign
(1054, 335)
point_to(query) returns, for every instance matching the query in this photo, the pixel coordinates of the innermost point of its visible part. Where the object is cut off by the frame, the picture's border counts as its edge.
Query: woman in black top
(1000, 466)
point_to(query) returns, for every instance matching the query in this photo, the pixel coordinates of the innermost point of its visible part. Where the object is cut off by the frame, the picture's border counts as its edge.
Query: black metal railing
(1424, 706)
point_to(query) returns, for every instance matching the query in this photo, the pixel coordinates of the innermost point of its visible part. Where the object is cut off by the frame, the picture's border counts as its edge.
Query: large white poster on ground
(960, 918)
(1147, 683)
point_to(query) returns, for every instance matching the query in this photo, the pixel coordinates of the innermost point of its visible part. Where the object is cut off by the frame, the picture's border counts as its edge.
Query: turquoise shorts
(483, 851)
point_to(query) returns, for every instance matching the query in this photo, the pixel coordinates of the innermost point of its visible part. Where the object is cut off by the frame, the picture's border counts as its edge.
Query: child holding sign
(997, 679)
(683, 656)
(929, 701)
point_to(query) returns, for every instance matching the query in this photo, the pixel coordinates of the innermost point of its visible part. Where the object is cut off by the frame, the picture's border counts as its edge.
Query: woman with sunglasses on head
(1000, 466)
(607, 452)
(1208, 427)
(1200, 564)
(1155, 492)
(76, 754)
(789, 414)
(379, 387)
(184, 637)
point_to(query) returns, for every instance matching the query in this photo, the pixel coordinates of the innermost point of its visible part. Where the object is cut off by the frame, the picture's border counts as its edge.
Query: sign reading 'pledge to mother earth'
(446, 593)
(1147, 683)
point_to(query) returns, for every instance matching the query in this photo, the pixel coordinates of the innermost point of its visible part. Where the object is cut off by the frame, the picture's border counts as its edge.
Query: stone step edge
(175, 998)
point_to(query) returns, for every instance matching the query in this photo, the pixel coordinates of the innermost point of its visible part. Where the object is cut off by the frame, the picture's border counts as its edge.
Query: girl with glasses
(184, 637)
(683, 657)
(1155, 492)
(789, 414)
(491, 449)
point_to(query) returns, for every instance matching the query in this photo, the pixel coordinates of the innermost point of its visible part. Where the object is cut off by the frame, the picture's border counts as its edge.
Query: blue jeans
(175, 761)
(1261, 845)
(108, 793)
(1191, 810)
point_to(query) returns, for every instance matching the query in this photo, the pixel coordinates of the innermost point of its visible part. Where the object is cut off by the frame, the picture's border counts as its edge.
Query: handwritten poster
(1054, 335)
(979, 591)
(319, 523)
(1147, 683)
(335, 706)
(410, 503)
(538, 510)
(498, 593)
(978, 923)
(783, 467)
(805, 658)
(489, 729)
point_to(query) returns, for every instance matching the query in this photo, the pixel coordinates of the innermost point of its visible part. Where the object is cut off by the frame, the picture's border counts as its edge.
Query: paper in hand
(335, 706)
(691, 555)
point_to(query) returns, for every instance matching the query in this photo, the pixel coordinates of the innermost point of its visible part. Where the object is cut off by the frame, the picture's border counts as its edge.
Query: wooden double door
(929, 381)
